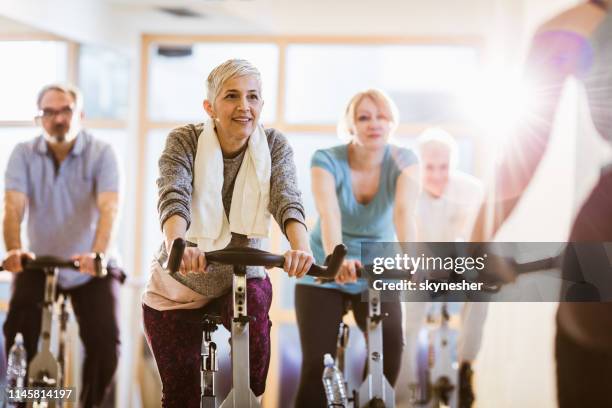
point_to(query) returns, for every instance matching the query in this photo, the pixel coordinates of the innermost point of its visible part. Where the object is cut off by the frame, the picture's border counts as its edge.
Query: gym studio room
(202, 203)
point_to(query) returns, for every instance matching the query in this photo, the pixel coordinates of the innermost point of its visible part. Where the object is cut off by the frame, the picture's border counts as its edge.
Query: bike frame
(241, 394)
(443, 375)
(375, 387)
(44, 369)
(375, 390)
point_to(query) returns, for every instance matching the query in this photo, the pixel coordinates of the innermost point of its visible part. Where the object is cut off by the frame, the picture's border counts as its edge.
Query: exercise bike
(45, 370)
(375, 391)
(240, 396)
(442, 368)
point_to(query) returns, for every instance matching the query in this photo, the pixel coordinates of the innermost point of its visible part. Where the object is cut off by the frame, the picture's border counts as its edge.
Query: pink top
(165, 293)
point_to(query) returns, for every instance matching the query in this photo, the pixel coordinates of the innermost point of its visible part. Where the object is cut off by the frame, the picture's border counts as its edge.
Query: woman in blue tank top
(364, 190)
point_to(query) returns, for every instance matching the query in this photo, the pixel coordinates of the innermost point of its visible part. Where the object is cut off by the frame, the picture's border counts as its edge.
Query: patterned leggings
(175, 337)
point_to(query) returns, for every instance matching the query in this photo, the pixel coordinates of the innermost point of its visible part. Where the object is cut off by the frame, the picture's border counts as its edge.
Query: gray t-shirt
(175, 186)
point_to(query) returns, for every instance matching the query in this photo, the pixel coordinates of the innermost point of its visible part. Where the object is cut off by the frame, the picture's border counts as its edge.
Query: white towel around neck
(248, 215)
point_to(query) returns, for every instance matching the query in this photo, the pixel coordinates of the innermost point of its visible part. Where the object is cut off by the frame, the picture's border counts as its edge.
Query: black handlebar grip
(337, 257)
(334, 262)
(245, 256)
(48, 261)
(99, 265)
(175, 256)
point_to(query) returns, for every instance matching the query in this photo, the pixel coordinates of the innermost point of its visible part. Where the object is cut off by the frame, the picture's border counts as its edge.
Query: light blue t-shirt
(62, 213)
(360, 223)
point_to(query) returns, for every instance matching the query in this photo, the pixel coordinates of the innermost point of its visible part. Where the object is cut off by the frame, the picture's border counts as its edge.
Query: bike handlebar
(44, 262)
(49, 261)
(253, 257)
(389, 274)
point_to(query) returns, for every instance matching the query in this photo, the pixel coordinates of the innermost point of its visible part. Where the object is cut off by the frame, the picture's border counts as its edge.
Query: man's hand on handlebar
(13, 259)
(348, 271)
(297, 262)
(86, 263)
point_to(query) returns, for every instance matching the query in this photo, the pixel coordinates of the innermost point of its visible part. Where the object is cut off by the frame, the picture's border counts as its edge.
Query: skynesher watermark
(428, 285)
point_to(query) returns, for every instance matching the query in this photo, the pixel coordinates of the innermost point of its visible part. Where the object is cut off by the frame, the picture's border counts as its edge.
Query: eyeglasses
(51, 113)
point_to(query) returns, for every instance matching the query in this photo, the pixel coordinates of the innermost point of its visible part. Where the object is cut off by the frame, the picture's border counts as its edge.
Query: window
(104, 81)
(177, 79)
(322, 78)
(26, 67)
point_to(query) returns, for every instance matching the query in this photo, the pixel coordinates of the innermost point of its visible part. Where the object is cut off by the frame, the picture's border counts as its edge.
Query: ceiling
(121, 22)
(384, 17)
(12, 27)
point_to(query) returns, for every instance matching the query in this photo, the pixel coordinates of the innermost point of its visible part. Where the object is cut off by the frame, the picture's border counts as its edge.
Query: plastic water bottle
(17, 364)
(333, 382)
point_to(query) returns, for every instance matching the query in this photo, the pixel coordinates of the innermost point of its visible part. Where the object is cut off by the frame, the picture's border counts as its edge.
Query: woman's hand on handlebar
(297, 262)
(194, 261)
(348, 271)
(13, 260)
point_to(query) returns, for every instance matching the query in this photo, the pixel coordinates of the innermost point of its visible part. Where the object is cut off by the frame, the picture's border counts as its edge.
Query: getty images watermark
(403, 263)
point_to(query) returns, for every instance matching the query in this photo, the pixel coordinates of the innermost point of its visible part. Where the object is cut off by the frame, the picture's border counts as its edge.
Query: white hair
(440, 138)
(232, 68)
(71, 90)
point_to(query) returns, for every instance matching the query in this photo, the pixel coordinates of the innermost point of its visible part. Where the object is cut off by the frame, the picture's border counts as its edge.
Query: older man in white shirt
(446, 212)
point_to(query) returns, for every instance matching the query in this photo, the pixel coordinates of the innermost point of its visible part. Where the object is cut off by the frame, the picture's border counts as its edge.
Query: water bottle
(333, 382)
(17, 364)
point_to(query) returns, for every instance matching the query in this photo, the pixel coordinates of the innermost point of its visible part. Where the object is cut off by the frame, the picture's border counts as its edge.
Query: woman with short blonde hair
(220, 183)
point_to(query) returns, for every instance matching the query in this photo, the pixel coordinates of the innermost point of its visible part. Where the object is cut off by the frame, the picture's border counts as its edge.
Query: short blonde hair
(67, 89)
(382, 101)
(441, 138)
(232, 68)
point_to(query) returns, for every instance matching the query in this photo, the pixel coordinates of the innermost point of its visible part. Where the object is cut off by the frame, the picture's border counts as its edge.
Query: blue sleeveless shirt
(360, 223)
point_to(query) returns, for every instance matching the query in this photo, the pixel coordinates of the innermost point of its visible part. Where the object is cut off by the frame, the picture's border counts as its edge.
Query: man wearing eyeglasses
(67, 181)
